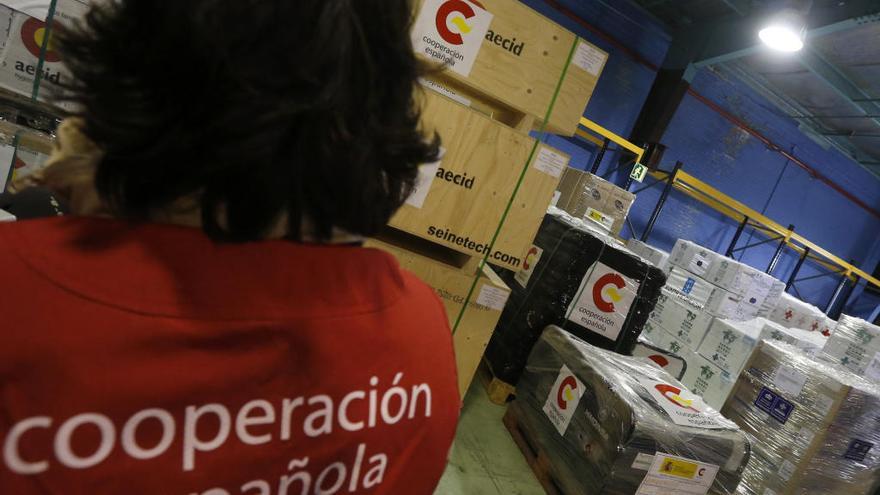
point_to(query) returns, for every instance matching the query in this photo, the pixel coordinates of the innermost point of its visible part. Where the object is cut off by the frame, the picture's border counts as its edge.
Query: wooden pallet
(499, 391)
(535, 457)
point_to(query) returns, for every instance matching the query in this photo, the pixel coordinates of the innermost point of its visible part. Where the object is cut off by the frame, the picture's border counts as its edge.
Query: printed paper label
(551, 162)
(7, 154)
(597, 216)
(588, 58)
(493, 297)
(563, 400)
(532, 258)
(672, 474)
(604, 299)
(823, 404)
(443, 90)
(858, 450)
(643, 461)
(773, 404)
(872, 372)
(789, 380)
(425, 179)
(699, 264)
(683, 407)
(786, 470)
(451, 32)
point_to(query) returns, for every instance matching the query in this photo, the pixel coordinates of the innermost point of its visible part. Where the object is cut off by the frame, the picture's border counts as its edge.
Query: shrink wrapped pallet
(681, 317)
(815, 433)
(658, 257)
(855, 345)
(791, 312)
(603, 419)
(590, 197)
(582, 280)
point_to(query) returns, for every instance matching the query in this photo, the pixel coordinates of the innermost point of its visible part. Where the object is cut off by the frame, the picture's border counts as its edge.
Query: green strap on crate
(522, 175)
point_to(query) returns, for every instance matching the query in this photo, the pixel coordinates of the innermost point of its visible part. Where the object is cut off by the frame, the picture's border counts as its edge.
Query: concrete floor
(484, 459)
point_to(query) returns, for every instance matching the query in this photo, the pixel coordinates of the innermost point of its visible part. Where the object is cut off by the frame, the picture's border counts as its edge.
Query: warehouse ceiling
(831, 87)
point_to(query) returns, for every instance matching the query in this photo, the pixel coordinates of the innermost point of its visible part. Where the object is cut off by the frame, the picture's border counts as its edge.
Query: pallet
(534, 455)
(499, 391)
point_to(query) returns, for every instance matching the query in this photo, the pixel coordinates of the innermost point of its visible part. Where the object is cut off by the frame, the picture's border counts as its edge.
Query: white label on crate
(493, 297)
(588, 58)
(789, 380)
(786, 470)
(451, 32)
(823, 404)
(443, 90)
(673, 474)
(699, 264)
(551, 162)
(604, 299)
(556, 196)
(643, 461)
(425, 179)
(872, 372)
(682, 407)
(523, 276)
(563, 400)
(7, 154)
(597, 216)
(806, 435)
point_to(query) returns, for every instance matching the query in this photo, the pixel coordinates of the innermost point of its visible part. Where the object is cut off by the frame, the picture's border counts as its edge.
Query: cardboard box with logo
(658, 257)
(729, 344)
(586, 196)
(610, 424)
(681, 317)
(706, 380)
(452, 286)
(462, 201)
(586, 282)
(855, 345)
(693, 257)
(812, 421)
(509, 61)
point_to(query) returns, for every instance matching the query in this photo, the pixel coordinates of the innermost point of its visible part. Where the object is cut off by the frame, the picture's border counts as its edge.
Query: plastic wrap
(583, 281)
(656, 256)
(791, 312)
(855, 345)
(615, 419)
(811, 422)
(681, 317)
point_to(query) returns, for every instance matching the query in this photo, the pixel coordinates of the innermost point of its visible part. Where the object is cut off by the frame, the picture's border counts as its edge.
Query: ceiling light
(784, 32)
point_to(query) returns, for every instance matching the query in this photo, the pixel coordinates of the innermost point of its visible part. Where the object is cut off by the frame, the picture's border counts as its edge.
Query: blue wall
(718, 152)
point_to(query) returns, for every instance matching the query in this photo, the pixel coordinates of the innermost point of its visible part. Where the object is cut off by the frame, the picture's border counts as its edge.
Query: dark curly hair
(259, 108)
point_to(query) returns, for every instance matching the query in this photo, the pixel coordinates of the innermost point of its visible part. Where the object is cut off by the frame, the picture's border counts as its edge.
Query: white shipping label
(493, 297)
(5, 216)
(682, 407)
(872, 372)
(786, 470)
(597, 216)
(443, 90)
(589, 58)
(643, 461)
(451, 33)
(563, 400)
(425, 179)
(672, 474)
(531, 260)
(7, 154)
(556, 196)
(699, 264)
(551, 162)
(789, 380)
(604, 299)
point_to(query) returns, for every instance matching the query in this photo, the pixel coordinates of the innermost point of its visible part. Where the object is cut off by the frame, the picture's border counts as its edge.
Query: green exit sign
(639, 172)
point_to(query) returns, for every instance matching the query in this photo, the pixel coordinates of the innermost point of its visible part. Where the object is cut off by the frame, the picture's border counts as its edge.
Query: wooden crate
(511, 84)
(452, 285)
(490, 157)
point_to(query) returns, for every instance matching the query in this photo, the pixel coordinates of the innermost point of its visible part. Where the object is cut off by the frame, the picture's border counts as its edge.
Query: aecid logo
(673, 395)
(455, 12)
(566, 392)
(33, 35)
(606, 291)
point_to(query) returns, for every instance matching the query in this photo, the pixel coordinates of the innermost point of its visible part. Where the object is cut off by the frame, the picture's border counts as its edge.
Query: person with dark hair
(205, 321)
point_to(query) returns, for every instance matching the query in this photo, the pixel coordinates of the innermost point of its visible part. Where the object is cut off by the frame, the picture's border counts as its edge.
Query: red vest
(149, 360)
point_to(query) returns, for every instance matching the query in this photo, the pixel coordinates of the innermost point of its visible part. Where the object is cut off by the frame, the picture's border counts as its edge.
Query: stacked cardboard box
(606, 423)
(582, 280)
(658, 257)
(815, 424)
(791, 312)
(855, 345)
(586, 196)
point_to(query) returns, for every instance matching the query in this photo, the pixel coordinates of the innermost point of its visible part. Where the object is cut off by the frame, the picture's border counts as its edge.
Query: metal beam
(833, 19)
(843, 85)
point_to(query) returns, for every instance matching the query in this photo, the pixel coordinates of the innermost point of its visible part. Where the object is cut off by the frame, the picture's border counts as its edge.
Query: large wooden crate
(480, 170)
(519, 65)
(452, 285)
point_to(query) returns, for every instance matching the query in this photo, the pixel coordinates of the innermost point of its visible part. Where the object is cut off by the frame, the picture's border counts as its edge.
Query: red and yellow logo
(445, 17)
(33, 35)
(531, 257)
(672, 394)
(565, 393)
(605, 292)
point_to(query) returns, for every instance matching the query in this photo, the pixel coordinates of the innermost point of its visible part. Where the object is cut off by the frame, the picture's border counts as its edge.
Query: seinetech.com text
(468, 243)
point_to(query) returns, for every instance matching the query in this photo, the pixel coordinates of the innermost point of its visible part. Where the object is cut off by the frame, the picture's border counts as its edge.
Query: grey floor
(484, 459)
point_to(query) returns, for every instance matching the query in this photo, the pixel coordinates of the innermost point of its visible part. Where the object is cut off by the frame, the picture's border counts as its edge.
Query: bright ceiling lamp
(785, 31)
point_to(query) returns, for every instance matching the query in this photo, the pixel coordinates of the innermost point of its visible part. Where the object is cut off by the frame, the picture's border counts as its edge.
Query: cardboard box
(452, 286)
(510, 60)
(681, 317)
(693, 257)
(704, 379)
(658, 257)
(791, 312)
(460, 202)
(714, 299)
(729, 344)
(855, 345)
(586, 196)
